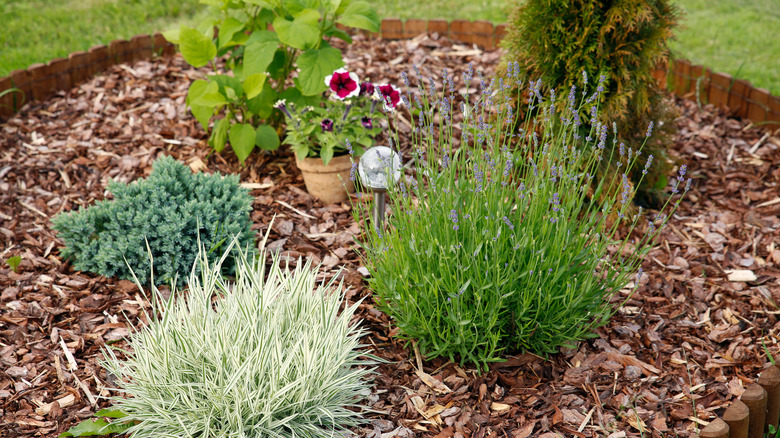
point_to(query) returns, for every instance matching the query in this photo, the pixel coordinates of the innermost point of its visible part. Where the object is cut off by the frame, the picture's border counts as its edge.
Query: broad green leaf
(296, 6)
(326, 153)
(202, 114)
(263, 104)
(253, 85)
(228, 28)
(332, 5)
(262, 36)
(209, 97)
(301, 33)
(99, 426)
(266, 138)
(294, 96)
(314, 65)
(340, 34)
(361, 15)
(111, 413)
(242, 139)
(262, 3)
(257, 57)
(227, 84)
(172, 36)
(196, 48)
(276, 69)
(218, 138)
(197, 87)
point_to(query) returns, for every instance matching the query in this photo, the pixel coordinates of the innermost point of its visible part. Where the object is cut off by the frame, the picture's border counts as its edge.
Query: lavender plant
(502, 241)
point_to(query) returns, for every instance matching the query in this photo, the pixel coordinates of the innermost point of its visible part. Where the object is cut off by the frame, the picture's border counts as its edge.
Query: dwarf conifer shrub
(169, 209)
(493, 244)
(568, 43)
(271, 356)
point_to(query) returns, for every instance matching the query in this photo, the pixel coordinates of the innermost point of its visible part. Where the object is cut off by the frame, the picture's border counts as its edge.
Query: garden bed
(687, 343)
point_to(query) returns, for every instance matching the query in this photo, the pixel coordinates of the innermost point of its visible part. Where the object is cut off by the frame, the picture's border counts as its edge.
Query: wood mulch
(685, 345)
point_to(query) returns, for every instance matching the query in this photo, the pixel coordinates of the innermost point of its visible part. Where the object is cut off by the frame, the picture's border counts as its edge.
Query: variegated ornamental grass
(251, 358)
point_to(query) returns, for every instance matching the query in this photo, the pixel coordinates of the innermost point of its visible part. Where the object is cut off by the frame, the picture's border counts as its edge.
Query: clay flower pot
(323, 182)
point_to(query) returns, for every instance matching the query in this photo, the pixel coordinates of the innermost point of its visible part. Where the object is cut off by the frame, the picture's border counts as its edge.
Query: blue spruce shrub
(169, 210)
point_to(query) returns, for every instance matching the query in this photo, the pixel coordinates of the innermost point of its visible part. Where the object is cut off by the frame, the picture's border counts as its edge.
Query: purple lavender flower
(626, 190)
(683, 169)
(327, 125)
(556, 202)
(647, 165)
(688, 184)
(508, 223)
(650, 129)
(454, 218)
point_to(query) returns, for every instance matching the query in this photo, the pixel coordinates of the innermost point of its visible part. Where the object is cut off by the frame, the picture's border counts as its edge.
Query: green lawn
(40, 30)
(741, 38)
(735, 37)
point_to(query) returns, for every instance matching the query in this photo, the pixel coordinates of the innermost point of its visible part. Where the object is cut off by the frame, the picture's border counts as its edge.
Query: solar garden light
(374, 166)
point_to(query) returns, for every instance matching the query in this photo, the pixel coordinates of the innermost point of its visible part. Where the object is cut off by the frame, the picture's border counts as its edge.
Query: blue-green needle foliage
(506, 242)
(168, 210)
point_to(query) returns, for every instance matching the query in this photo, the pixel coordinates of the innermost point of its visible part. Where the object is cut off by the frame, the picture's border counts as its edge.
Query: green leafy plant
(99, 426)
(564, 43)
(347, 118)
(262, 62)
(269, 356)
(495, 245)
(13, 263)
(166, 211)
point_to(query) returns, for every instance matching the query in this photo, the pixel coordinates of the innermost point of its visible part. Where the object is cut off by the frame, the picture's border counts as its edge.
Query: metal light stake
(374, 166)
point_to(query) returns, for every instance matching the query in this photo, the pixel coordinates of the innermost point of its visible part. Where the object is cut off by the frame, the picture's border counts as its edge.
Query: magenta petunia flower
(367, 122)
(343, 83)
(327, 125)
(390, 95)
(366, 89)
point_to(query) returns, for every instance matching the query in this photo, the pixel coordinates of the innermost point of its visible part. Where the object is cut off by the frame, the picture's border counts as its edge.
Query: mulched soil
(686, 344)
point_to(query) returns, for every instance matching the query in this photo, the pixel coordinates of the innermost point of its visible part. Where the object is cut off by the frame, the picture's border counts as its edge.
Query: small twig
(284, 204)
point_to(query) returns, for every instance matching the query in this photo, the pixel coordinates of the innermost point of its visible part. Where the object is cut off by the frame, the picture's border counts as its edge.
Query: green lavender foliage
(624, 41)
(494, 246)
(271, 356)
(169, 209)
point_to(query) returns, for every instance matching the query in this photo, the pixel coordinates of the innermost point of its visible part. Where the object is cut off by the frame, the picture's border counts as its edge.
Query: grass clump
(167, 212)
(494, 246)
(270, 356)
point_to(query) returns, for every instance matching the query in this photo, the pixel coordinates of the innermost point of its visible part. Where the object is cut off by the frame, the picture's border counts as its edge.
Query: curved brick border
(692, 81)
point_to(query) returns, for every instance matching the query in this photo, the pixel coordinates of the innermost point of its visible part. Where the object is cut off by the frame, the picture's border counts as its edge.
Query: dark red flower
(366, 89)
(367, 122)
(390, 95)
(343, 83)
(327, 125)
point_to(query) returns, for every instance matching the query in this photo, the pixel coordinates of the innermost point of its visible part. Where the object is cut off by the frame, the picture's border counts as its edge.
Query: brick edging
(696, 82)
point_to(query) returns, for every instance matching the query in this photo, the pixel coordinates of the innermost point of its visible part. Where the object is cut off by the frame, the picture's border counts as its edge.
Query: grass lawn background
(738, 38)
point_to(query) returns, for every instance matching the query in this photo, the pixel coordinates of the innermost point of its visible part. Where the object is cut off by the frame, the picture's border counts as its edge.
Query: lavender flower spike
(650, 129)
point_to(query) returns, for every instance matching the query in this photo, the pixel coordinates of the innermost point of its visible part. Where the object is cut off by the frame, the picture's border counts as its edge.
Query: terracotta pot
(323, 182)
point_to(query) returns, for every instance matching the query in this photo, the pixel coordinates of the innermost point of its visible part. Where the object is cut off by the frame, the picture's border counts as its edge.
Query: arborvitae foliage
(169, 210)
(623, 40)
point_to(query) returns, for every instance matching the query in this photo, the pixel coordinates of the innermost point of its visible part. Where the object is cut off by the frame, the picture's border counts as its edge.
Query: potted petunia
(327, 139)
